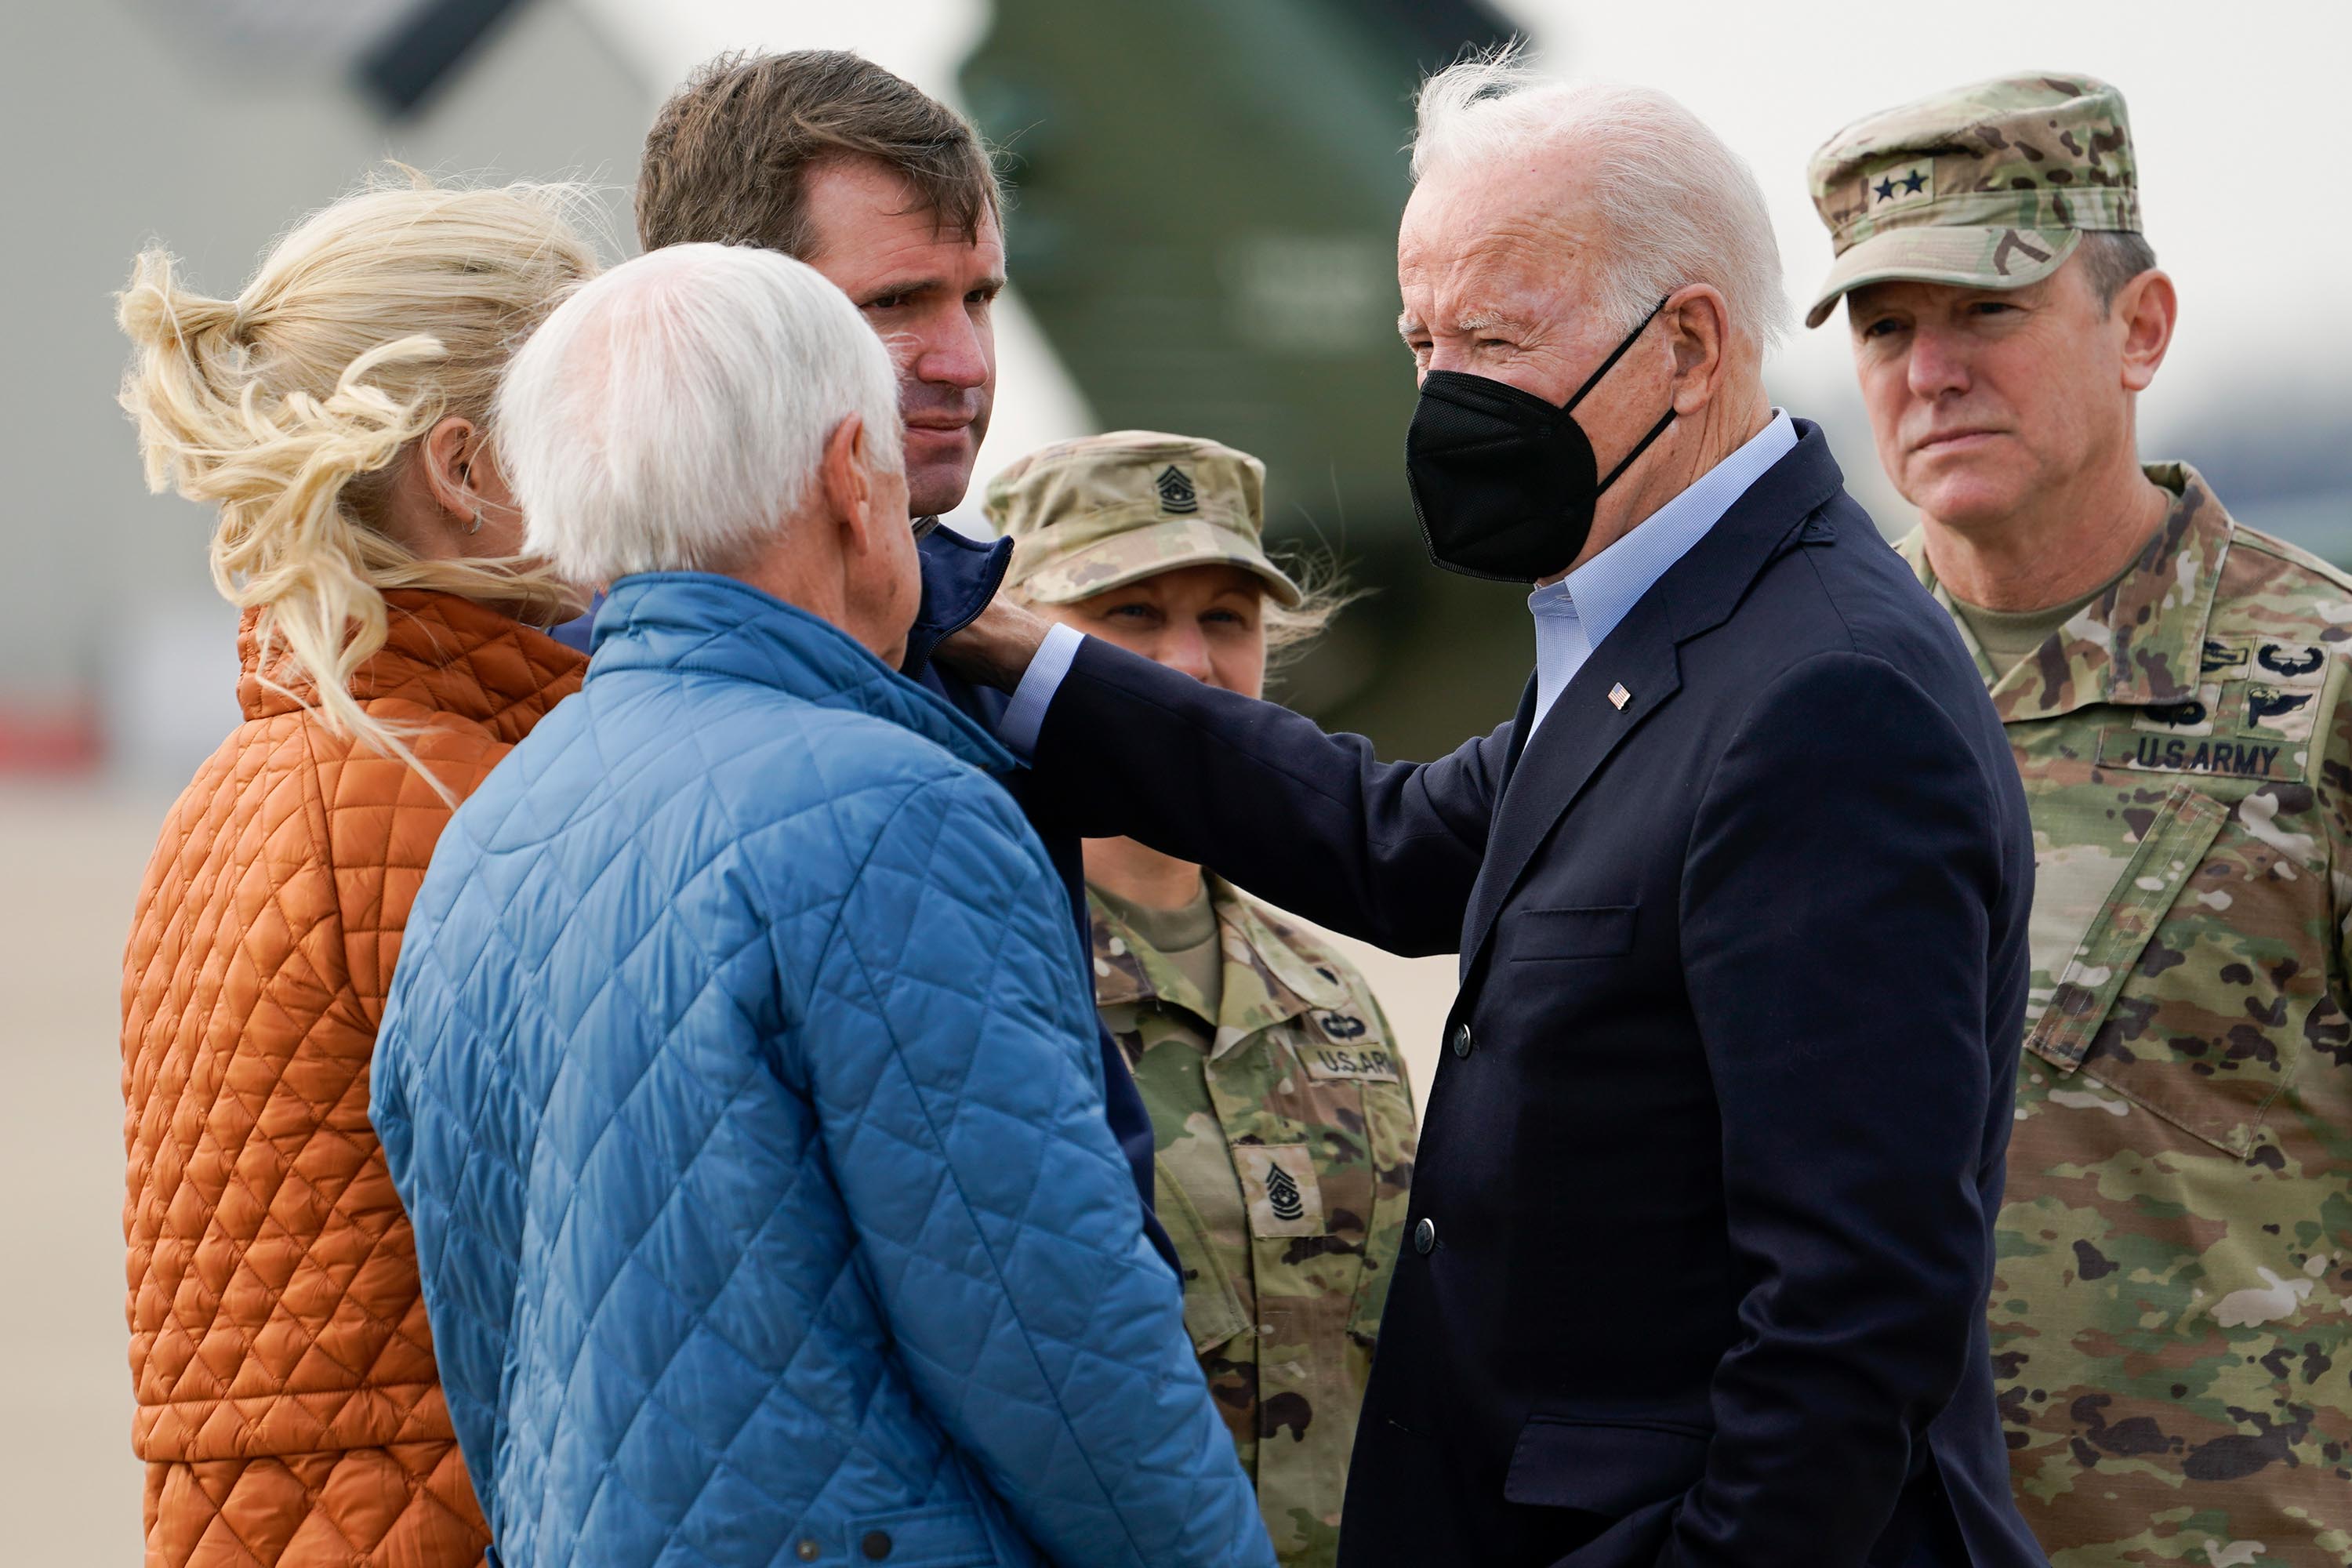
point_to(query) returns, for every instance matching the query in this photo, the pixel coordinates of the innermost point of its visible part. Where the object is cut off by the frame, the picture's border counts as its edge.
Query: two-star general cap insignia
(1902, 184)
(1175, 488)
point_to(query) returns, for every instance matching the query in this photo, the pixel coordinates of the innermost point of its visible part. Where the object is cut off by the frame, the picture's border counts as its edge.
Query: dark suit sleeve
(1383, 851)
(1839, 887)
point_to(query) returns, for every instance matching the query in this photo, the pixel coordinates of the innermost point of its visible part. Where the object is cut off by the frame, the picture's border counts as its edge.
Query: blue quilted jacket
(739, 1082)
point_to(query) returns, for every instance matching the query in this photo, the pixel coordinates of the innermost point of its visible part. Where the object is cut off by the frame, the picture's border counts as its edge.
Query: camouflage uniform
(2170, 1317)
(1284, 1123)
(2168, 1307)
(1286, 1146)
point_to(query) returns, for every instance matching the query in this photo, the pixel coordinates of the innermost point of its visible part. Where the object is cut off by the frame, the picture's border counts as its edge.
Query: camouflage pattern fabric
(1985, 186)
(1286, 1149)
(2174, 1249)
(1097, 513)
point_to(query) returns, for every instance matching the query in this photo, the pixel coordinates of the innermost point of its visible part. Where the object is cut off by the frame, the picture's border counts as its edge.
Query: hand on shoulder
(995, 648)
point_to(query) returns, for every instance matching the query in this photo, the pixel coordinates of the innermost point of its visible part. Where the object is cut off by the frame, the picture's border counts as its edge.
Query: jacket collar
(1701, 590)
(960, 576)
(2142, 641)
(1272, 972)
(1587, 721)
(1609, 584)
(440, 652)
(700, 621)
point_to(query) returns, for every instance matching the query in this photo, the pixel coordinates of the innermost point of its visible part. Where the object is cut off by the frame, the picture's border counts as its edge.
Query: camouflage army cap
(1097, 513)
(1987, 186)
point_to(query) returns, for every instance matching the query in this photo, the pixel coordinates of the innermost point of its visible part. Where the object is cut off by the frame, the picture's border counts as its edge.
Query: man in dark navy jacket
(888, 193)
(1701, 1227)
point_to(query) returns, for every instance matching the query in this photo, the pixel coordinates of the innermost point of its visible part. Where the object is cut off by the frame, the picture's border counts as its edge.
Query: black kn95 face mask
(1503, 483)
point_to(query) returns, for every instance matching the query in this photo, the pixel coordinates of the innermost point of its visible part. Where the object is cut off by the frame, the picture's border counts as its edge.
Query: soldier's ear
(2146, 308)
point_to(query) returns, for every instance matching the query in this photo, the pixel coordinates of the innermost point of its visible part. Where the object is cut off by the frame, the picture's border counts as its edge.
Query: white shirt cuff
(1024, 716)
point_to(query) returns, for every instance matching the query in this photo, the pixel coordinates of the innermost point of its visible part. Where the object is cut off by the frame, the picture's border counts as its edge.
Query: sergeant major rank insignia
(1280, 1185)
(1175, 488)
(1282, 1194)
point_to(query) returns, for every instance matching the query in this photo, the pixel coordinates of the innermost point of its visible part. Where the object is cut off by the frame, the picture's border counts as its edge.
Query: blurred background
(1205, 194)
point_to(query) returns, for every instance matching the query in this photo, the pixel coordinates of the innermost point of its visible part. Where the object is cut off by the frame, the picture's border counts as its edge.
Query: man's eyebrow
(1469, 323)
(1485, 319)
(890, 288)
(991, 285)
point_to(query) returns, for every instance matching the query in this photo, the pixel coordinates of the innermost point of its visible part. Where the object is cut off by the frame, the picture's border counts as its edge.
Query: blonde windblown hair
(291, 406)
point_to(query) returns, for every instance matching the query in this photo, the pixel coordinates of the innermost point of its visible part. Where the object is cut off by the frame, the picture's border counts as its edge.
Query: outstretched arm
(1383, 851)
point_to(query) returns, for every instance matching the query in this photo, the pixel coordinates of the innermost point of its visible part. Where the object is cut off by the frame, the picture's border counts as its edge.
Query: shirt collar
(1607, 587)
(2140, 643)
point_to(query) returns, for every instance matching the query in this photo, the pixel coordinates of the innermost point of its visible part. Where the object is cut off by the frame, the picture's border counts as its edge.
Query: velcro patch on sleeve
(1279, 1184)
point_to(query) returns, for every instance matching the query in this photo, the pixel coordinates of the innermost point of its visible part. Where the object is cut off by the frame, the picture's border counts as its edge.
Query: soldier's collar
(2158, 613)
(1288, 977)
(2140, 642)
(1128, 969)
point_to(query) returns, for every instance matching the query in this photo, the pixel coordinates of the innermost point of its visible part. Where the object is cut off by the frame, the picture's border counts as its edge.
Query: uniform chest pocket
(2088, 980)
(1213, 1301)
(1599, 931)
(2159, 1002)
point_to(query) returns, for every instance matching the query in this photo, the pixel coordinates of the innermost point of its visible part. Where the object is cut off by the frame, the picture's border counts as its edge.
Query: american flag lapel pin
(1619, 696)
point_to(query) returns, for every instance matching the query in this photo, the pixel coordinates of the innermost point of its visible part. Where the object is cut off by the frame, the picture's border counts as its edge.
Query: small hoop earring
(475, 526)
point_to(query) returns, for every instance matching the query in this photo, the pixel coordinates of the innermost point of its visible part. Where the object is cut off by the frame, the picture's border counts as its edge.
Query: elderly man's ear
(846, 474)
(1698, 334)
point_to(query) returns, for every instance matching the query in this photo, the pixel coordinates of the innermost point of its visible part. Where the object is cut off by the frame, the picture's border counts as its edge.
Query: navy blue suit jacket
(1702, 1221)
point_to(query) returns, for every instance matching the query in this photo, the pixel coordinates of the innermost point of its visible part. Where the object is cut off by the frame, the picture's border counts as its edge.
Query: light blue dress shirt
(1572, 615)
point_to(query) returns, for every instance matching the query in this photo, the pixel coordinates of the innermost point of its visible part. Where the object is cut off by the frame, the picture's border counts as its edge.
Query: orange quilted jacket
(287, 1406)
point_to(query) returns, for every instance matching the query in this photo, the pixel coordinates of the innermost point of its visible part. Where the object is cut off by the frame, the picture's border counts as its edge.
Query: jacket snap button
(805, 1548)
(876, 1545)
(1424, 1236)
(1461, 1039)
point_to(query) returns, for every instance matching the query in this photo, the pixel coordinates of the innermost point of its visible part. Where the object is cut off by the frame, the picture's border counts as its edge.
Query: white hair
(670, 415)
(1681, 206)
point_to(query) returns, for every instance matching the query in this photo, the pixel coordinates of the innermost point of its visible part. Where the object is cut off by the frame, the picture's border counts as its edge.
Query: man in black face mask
(1700, 1231)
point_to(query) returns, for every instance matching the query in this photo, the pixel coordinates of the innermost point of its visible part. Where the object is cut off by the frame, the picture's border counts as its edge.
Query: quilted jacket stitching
(940, 1145)
(805, 828)
(240, 1248)
(648, 1395)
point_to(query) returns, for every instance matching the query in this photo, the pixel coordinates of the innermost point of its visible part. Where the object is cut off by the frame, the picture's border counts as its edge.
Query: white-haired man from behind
(735, 1072)
(1701, 1222)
